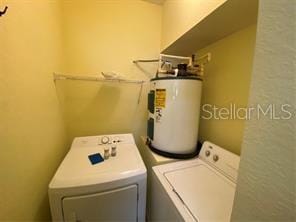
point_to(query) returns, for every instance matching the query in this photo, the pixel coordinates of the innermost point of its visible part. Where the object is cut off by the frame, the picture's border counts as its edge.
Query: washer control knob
(105, 139)
(215, 158)
(208, 153)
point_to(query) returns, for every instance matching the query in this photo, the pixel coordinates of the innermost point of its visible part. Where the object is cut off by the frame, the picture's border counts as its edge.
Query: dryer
(111, 190)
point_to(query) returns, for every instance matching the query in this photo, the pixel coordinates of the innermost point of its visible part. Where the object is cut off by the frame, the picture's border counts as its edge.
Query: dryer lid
(77, 170)
(207, 194)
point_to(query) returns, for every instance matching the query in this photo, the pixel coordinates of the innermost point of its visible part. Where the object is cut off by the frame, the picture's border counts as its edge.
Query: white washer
(112, 190)
(195, 190)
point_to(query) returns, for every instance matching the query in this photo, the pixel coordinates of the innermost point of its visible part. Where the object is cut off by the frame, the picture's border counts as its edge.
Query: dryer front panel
(115, 205)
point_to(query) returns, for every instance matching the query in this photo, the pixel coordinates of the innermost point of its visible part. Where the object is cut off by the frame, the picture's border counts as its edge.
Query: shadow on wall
(93, 108)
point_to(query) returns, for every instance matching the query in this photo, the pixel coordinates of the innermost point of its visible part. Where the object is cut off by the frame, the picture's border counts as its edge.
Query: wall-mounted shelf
(230, 17)
(145, 60)
(58, 76)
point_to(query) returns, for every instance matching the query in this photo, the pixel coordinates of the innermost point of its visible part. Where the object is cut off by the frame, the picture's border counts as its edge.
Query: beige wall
(107, 36)
(179, 16)
(94, 108)
(95, 36)
(266, 188)
(227, 80)
(32, 136)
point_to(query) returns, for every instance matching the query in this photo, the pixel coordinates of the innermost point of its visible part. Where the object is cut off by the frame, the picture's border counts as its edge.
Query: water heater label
(160, 97)
(158, 115)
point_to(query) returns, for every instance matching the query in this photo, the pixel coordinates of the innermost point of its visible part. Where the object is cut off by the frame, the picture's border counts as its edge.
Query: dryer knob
(105, 140)
(208, 153)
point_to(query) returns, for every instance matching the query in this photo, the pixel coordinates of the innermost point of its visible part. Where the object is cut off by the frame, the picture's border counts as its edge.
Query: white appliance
(195, 190)
(151, 159)
(174, 109)
(112, 190)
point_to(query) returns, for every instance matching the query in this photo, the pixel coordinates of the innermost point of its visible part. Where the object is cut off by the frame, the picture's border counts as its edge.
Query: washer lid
(206, 193)
(77, 170)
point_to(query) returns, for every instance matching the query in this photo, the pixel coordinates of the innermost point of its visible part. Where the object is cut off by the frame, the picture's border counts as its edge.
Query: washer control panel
(220, 158)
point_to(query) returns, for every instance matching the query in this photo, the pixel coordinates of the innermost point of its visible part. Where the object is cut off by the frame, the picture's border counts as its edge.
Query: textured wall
(266, 183)
(227, 81)
(32, 135)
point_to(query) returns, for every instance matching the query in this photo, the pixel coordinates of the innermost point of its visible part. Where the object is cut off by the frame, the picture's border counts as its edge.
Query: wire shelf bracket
(58, 77)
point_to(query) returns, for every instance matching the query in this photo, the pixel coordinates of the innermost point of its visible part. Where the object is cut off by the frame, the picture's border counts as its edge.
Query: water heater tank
(174, 110)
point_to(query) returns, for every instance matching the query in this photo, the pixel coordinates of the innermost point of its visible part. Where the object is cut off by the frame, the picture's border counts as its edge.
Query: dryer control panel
(100, 140)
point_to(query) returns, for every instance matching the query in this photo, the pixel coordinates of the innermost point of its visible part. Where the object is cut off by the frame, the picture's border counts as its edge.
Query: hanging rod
(57, 76)
(145, 60)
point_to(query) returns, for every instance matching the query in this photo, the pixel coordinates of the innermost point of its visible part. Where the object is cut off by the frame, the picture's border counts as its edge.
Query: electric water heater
(174, 111)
